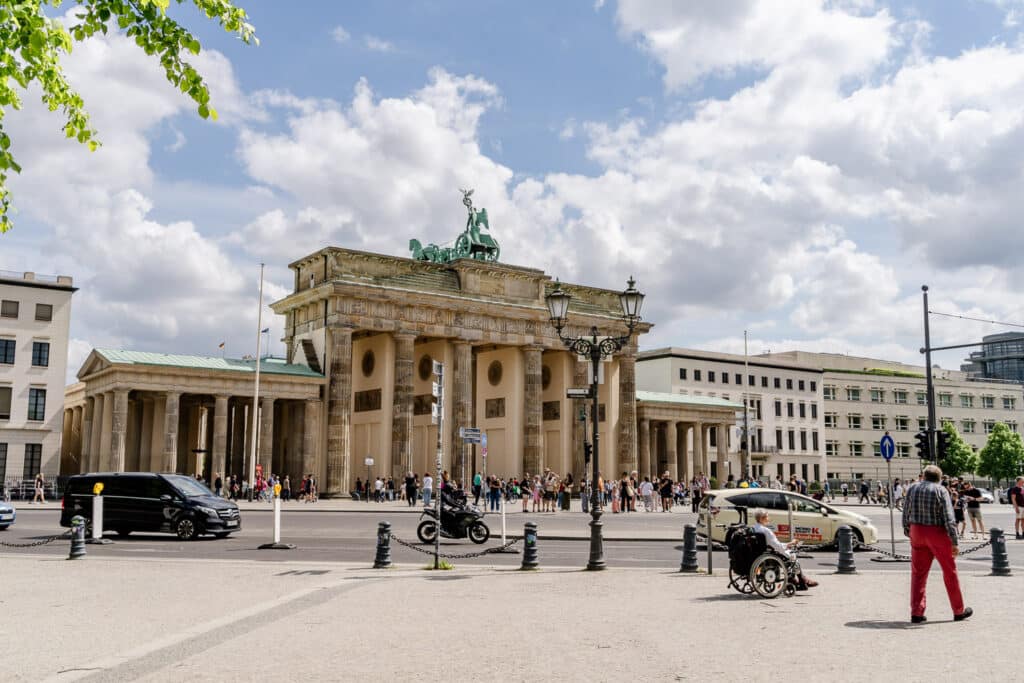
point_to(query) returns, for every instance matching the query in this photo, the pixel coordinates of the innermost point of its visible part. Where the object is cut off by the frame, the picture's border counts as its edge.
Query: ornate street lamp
(595, 349)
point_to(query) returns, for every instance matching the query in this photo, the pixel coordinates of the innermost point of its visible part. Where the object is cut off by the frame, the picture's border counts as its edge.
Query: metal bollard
(529, 546)
(689, 563)
(1000, 561)
(383, 558)
(77, 537)
(846, 563)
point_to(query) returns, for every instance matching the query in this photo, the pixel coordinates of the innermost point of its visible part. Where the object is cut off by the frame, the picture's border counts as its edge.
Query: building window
(966, 401)
(903, 450)
(803, 441)
(922, 398)
(987, 425)
(967, 426)
(764, 381)
(878, 422)
(853, 394)
(696, 375)
(711, 376)
(1012, 425)
(7, 351)
(899, 396)
(943, 421)
(682, 373)
(831, 448)
(44, 312)
(789, 409)
(814, 441)
(803, 409)
(3, 462)
(814, 411)
(8, 309)
(725, 378)
(902, 423)
(853, 421)
(1009, 403)
(856, 449)
(877, 396)
(33, 460)
(922, 424)
(5, 405)
(778, 408)
(828, 393)
(814, 385)
(831, 420)
(988, 402)
(945, 400)
(739, 378)
(777, 383)
(876, 449)
(751, 380)
(41, 354)
(792, 440)
(789, 384)
(778, 439)
(37, 404)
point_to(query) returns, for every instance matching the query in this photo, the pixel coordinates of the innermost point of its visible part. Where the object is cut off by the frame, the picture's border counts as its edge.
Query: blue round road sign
(888, 447)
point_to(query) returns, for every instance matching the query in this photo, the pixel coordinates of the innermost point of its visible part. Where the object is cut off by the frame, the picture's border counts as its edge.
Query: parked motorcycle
(457, 521)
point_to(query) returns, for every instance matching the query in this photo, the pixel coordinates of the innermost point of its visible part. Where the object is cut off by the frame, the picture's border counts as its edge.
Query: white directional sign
(887, 446)
(438, 368)
(368, 462)
(578, 393)
(436, 389)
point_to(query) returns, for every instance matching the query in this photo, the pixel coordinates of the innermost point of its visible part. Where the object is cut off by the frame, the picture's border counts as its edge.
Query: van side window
(155, 487)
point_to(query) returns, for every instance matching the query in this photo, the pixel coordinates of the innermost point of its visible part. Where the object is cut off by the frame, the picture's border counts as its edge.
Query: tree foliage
(1003, 454)
(960, 457)
(32, 44)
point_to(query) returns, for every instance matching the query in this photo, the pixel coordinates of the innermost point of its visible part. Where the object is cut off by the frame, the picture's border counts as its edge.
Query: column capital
(405, 334)
(312, 401)
(222, 397)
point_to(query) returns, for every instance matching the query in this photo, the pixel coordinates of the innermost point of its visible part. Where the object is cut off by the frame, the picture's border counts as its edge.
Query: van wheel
(186, 529)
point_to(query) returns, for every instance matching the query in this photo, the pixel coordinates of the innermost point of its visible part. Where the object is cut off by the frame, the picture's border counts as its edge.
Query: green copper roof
(272, 366)
(708, 401)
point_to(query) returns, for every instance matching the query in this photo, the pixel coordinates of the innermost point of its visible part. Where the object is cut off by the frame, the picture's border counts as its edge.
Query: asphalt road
(637, 540)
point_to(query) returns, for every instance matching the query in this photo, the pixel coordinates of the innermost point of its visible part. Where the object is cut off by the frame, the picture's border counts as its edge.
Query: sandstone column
(401, 422)
(655, 437)
(670, 450)
(532, 415)
(106, 430)
(266, 437)
(722, 454)
(97, 430)
(339, 412)
(645, 445)
(627, 409)
(85, 464)
(173, 402)
(118, 430)
(579, 431)
(309, 436)
(220, 439)
(462, 390)
(67, 440)
(698, 450)
(682, 452)
(146, 434)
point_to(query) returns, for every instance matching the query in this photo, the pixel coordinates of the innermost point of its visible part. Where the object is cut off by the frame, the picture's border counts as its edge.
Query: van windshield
(189, 487)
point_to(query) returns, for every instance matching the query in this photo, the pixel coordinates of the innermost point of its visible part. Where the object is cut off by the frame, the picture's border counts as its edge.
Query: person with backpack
(1016, 497)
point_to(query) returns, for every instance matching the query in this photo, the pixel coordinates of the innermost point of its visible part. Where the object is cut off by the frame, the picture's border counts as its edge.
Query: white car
(986, 496)
(815, 522)
(7, 515)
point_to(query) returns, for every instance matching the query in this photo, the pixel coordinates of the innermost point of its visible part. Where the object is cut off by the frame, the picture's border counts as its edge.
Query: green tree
(960, 457)
(31, 46)
(1003, 454)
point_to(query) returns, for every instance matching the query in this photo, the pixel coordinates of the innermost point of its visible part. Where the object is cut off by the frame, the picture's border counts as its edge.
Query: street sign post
(888, 448)
(366, 487)
(578, 393)
(438, 419)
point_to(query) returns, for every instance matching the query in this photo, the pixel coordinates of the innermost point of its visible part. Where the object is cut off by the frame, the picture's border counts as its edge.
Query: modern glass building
(1001, 357)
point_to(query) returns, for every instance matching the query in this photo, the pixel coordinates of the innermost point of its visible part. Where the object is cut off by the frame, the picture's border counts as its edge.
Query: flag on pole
(265, 330)
(221, 345)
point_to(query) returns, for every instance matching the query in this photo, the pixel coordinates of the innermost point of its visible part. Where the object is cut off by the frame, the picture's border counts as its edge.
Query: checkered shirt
(929, 504)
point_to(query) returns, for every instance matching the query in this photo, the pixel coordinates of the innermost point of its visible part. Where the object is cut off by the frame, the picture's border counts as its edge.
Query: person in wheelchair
(760, 527)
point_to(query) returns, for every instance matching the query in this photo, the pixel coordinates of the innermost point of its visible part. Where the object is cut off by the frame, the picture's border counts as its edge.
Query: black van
(145, 501)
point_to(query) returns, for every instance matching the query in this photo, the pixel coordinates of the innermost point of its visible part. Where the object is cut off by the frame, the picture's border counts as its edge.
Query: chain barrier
(33, 544)
(453, 556)
(880, 551)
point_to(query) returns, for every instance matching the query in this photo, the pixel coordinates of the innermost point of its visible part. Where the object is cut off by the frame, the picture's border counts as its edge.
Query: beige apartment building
(863, 398)
(35, 316)
(784, 407)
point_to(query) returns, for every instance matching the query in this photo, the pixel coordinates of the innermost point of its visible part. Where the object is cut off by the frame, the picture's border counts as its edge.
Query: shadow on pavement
(880, 624)
(726, 597)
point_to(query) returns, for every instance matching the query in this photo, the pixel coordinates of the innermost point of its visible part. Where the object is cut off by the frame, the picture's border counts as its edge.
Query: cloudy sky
(797, 169)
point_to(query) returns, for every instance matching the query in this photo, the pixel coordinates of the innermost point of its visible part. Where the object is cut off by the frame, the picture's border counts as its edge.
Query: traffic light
(924, 449)
(588, 450)
(941, 444)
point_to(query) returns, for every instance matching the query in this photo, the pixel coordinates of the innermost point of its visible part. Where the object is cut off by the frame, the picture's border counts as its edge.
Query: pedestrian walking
(973, 497)
(647, 494)
(1016, 497)
(410, 489)
(928, 521)
(40, 488)
(428, 489)
(865, 491)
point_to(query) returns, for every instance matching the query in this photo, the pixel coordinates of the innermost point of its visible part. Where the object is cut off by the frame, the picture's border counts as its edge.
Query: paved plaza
(157, 620)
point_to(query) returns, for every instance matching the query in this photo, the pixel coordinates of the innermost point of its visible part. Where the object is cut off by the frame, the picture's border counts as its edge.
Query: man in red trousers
(929, 522)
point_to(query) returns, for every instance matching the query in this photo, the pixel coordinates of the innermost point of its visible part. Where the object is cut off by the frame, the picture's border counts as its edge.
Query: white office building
(35, 313)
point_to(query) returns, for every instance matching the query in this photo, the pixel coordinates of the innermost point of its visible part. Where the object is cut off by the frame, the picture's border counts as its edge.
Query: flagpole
(256, 392)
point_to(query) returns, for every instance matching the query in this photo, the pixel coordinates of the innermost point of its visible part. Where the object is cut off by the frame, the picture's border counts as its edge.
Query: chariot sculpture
(475, 241)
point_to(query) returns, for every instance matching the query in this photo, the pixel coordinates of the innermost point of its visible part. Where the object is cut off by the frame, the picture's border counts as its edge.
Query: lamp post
(595, 349)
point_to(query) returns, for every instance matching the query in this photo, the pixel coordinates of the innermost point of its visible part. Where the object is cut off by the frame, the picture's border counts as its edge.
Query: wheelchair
(756, 568)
